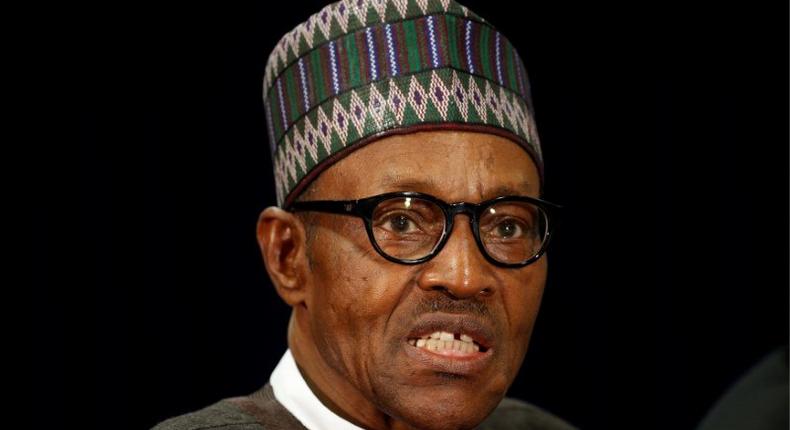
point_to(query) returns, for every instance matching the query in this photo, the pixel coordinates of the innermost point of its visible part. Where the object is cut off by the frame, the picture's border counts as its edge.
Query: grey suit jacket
(261, 411)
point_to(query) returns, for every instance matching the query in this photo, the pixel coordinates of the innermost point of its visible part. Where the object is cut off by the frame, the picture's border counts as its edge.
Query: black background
(665, 132)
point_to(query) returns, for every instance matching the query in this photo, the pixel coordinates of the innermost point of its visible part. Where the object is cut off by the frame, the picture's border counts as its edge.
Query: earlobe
(281, 238)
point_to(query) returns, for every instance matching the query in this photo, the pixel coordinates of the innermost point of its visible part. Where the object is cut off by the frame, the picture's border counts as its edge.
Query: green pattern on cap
(360, 69)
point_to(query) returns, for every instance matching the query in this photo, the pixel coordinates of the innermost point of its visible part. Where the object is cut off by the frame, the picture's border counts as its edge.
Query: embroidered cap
(359, 70)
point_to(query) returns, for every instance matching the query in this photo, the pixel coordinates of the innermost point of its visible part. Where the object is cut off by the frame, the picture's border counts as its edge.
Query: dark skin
(353, 310)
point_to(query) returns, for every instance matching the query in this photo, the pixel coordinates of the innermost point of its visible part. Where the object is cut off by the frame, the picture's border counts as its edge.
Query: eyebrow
(507, 190)
(398, 183)
(406, 184)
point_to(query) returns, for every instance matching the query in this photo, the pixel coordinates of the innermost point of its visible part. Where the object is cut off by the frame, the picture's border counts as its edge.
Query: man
(410, 235)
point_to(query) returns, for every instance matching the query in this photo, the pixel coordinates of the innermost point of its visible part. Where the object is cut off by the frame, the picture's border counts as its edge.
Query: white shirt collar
(292, 391)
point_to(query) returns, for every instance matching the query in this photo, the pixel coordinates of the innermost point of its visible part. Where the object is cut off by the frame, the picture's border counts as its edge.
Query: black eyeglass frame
(364, 208)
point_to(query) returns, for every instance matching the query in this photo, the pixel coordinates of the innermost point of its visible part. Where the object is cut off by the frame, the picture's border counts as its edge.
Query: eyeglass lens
(410, 228)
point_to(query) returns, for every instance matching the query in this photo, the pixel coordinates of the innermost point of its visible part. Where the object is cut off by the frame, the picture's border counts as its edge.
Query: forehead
(452, 165)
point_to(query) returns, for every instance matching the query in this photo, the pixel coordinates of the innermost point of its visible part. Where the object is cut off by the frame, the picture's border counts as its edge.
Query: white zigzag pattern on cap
(303, 139)
(338, 12)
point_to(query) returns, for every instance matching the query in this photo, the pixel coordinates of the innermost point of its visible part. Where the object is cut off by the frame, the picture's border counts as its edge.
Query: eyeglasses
(411, 227)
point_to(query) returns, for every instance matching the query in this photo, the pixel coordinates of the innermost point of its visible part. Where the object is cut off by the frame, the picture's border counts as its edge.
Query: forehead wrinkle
(397, 182)
(486, 183)
(473, 167)
(474, 182)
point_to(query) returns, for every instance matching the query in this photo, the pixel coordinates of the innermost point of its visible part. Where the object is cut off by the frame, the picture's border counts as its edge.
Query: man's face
(365, 312)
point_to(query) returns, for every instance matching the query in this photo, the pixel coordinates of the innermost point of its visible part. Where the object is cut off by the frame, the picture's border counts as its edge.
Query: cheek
(348, 274)
(522, 302)
(352, 296)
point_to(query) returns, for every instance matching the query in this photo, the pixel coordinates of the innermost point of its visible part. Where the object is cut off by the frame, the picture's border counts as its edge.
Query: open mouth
(448, 343)
(443, 344)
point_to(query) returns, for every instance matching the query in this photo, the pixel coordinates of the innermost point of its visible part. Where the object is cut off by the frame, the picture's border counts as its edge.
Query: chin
(447, 419)
(443, 407)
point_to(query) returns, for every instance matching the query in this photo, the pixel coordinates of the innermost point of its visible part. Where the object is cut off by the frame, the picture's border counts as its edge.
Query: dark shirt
(261, 411)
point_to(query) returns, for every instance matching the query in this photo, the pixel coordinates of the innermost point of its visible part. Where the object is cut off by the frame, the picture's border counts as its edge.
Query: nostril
(443, 289)
(453, 293)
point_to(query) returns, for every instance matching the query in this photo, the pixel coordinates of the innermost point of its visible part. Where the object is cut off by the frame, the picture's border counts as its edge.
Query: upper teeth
(442, 340)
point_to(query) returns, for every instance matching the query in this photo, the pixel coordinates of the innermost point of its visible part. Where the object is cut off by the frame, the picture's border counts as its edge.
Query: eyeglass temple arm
(329, 206)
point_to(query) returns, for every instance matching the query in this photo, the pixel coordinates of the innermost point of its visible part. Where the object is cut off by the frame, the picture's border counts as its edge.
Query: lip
(464, 365)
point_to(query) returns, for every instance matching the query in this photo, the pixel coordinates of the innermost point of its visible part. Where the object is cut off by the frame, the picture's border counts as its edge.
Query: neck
(333, 389)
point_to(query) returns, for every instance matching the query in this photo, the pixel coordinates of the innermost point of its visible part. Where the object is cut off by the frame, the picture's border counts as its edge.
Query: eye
(509, 228)
(399, 223)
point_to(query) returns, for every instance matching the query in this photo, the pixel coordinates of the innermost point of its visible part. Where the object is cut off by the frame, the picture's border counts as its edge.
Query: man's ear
(282, 239)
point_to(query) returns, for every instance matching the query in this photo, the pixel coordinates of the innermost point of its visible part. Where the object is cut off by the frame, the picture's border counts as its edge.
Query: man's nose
(460, 269)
